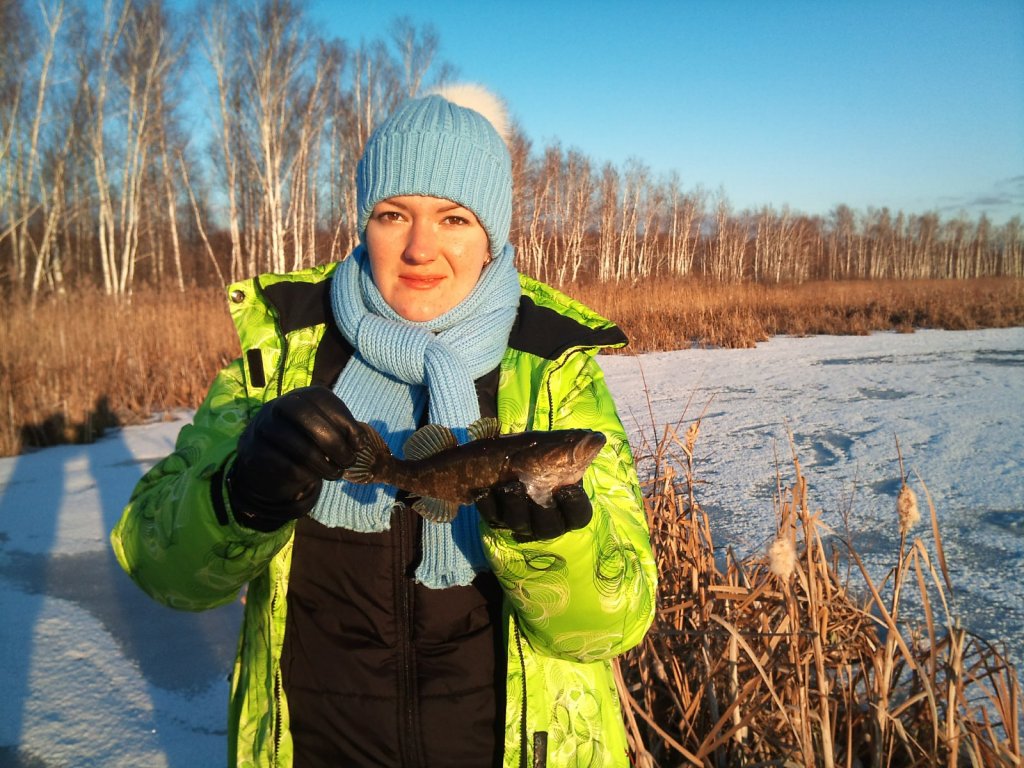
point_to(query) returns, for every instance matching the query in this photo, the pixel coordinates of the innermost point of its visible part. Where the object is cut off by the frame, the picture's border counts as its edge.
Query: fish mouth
(587, 448)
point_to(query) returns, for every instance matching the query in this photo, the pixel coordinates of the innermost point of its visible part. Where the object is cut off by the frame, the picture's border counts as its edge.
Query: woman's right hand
(290, 447)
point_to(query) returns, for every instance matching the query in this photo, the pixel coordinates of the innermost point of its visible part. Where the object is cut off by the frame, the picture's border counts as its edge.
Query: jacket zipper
(523, 740)
(409, 745)
(277, 689)
(549, 373)
(278, 685)
(281, 367)
(537, 755)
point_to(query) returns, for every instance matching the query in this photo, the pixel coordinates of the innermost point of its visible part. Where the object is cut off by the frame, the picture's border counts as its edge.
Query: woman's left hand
(508, 505)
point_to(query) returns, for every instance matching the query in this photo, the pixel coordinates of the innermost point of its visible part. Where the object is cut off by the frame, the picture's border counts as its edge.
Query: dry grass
(773, 660)
(75, 365)
(673, 315)
(72, 367)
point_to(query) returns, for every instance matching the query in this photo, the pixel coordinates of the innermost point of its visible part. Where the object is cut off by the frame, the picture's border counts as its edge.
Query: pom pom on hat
(479, 99)
(450, 144)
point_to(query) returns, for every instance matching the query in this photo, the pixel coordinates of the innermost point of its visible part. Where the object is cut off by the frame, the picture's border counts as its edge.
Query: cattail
(659, 669)
(906, 508)
(782, 557)
(691, 438)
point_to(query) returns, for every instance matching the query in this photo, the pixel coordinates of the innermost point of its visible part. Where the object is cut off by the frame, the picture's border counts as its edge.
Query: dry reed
(668, 314)
(74, 365)
(774, 660)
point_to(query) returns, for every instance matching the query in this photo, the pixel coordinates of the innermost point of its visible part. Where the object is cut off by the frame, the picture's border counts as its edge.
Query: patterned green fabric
(573, 603)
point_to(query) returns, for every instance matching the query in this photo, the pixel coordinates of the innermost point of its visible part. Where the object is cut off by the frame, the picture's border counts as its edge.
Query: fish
(444, 474)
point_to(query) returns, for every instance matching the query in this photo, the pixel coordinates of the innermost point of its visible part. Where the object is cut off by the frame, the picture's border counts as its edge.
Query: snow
(96, 674)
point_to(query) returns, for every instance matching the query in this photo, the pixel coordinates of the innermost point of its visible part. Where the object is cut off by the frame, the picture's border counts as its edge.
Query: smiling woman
(426, 254)
(377, 632)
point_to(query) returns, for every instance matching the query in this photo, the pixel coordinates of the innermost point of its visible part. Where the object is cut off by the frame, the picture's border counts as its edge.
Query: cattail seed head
(659, 669)
(906, 508)
(782, 557)
(691, 437)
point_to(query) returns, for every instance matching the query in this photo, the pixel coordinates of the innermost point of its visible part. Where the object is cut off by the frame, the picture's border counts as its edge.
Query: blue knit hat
(433, 146)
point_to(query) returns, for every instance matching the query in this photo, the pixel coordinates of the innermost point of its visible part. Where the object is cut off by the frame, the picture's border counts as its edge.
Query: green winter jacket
(572, 603)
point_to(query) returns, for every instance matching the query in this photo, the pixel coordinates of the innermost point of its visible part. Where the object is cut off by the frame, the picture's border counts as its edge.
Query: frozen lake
(954, 400)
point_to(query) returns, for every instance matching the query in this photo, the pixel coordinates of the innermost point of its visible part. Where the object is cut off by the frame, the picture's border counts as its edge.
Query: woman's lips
(420, 282)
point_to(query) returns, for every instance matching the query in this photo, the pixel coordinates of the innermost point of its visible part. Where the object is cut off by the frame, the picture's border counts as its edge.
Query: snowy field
(96, 675)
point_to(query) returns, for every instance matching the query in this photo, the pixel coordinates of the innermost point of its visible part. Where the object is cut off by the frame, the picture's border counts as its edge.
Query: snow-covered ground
(95, 674)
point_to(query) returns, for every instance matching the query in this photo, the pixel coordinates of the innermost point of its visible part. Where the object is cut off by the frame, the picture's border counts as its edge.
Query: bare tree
(725, 258)
(842, 243)
(124, 81)
(96, 94)
(520, 148)
(1012, 248)
(98, 183)
(416, 49)
(31, 196)
(652, 208)
(577, 202)
(372, 94)
(543, 178)
(276, 54)
(15, 54)
(217, 26)
(199, 223)
(608, 207)
(685, 213)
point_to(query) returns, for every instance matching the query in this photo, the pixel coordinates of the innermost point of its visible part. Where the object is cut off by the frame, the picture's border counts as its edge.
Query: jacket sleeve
(588, 594)
(176, 537)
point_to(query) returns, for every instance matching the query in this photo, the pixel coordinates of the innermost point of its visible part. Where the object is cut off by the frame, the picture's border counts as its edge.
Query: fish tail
(371, 458)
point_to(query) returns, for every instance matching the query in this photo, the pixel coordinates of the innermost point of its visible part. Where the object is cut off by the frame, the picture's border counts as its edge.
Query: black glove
(286, 452)
(507, 505)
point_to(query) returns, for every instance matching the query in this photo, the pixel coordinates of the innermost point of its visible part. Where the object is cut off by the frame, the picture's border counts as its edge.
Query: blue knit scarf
(397, 369)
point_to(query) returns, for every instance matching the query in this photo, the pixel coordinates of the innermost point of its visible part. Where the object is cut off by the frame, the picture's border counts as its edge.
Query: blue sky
(913, 105)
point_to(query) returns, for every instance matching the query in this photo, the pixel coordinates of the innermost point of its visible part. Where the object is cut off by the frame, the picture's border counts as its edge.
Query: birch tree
(15, 54)
(124, 81)
(727, 249)
(379, 78)
(685, 213)
(543, 179)
(217, 44)
(276, 55)
(628, 222)
(574, 216)
(373, 92)
(33, 186)
(608, 206)
(416, 50)
(1012, 242)
(519, 147)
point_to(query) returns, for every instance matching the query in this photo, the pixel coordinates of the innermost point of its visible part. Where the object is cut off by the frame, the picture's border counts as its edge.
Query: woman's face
(426, 254)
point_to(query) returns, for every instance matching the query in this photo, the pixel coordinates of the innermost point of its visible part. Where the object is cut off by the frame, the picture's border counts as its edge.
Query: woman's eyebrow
(454, 207)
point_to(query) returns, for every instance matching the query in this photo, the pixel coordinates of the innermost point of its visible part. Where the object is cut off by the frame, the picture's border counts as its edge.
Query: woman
(372, 636)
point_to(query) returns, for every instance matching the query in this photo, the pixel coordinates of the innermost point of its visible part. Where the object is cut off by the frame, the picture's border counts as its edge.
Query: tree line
(143, 145)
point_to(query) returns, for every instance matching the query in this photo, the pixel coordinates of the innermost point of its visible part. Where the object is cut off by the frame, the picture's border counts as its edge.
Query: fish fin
(364, 467)
(428, 440)
(436, 510)
(488, 426)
